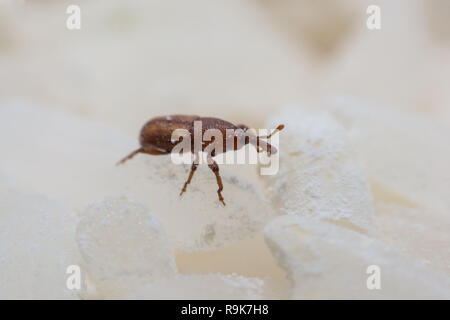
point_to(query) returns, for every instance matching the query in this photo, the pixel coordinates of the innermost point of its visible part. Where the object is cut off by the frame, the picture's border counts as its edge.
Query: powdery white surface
(123, 246)
(197, 220)
(75, 159)
(37, 245)
(198, 287)
(7, 185)
(414, 232)
(329, 262)
(320, 175)
(405, 155)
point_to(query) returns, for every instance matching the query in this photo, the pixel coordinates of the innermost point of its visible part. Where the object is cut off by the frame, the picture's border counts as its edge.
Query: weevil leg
(141, 150)
(128, 157)
(215, 168)
(153, 151)
(191, 174)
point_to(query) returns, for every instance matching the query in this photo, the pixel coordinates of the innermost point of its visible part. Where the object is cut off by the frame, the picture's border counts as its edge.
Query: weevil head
(268, 147)
(260, 142)
(263, 146)
(243, 138)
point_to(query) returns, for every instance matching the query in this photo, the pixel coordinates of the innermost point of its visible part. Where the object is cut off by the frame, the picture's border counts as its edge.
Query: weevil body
(156, 139)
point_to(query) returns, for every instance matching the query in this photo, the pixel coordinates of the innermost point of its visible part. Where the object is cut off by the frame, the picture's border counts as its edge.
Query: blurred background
(72, 103)
(237, 59)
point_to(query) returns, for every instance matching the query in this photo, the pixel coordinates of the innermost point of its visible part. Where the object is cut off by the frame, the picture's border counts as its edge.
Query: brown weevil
(156, 139)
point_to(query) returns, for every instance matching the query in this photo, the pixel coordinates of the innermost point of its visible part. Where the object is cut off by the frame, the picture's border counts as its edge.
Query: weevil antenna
(278, 129)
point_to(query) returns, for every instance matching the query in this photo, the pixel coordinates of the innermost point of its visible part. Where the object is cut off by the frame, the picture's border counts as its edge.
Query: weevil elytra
(156, 139)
